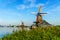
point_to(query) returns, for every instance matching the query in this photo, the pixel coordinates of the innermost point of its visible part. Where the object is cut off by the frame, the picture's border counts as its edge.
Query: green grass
(42, 33)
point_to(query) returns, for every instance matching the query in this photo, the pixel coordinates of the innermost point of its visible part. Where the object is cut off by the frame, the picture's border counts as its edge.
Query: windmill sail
(39, 9)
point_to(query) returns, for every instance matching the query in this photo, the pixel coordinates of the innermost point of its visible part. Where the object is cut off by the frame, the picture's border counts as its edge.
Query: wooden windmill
(39, 16)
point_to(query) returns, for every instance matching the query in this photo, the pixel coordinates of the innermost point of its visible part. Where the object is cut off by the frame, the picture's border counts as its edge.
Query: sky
(12, 12)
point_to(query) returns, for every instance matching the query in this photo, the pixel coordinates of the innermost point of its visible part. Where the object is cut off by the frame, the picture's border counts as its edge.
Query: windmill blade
(39, 9)
(43, 13)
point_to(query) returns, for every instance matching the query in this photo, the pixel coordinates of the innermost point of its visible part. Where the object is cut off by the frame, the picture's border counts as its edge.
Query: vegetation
(42, 33)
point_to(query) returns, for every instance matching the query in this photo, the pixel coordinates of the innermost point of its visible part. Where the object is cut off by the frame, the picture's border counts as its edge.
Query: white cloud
(31, 4)
(35, 5)
(21, 6)
(33, 12)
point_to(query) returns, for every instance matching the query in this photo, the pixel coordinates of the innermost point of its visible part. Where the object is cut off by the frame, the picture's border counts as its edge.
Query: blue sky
(15, 11)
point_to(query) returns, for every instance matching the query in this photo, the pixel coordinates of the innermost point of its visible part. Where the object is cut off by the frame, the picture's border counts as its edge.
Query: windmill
(22, 25)
(39, 19)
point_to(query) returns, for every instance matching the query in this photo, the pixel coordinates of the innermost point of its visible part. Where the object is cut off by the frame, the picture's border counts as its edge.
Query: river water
(6, 30)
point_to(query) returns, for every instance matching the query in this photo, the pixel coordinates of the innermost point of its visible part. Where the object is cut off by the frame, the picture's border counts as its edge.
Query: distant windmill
(22, 25)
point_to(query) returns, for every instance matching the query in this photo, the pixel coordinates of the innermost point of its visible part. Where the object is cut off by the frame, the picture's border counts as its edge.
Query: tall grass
(41, 33)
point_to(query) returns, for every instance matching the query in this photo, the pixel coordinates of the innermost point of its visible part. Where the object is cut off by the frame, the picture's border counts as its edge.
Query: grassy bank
(42, 33)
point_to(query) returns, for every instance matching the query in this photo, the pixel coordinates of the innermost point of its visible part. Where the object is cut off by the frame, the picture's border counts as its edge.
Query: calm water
(6, 30)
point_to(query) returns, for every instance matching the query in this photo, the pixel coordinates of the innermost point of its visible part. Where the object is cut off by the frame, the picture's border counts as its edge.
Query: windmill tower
(39, 16)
